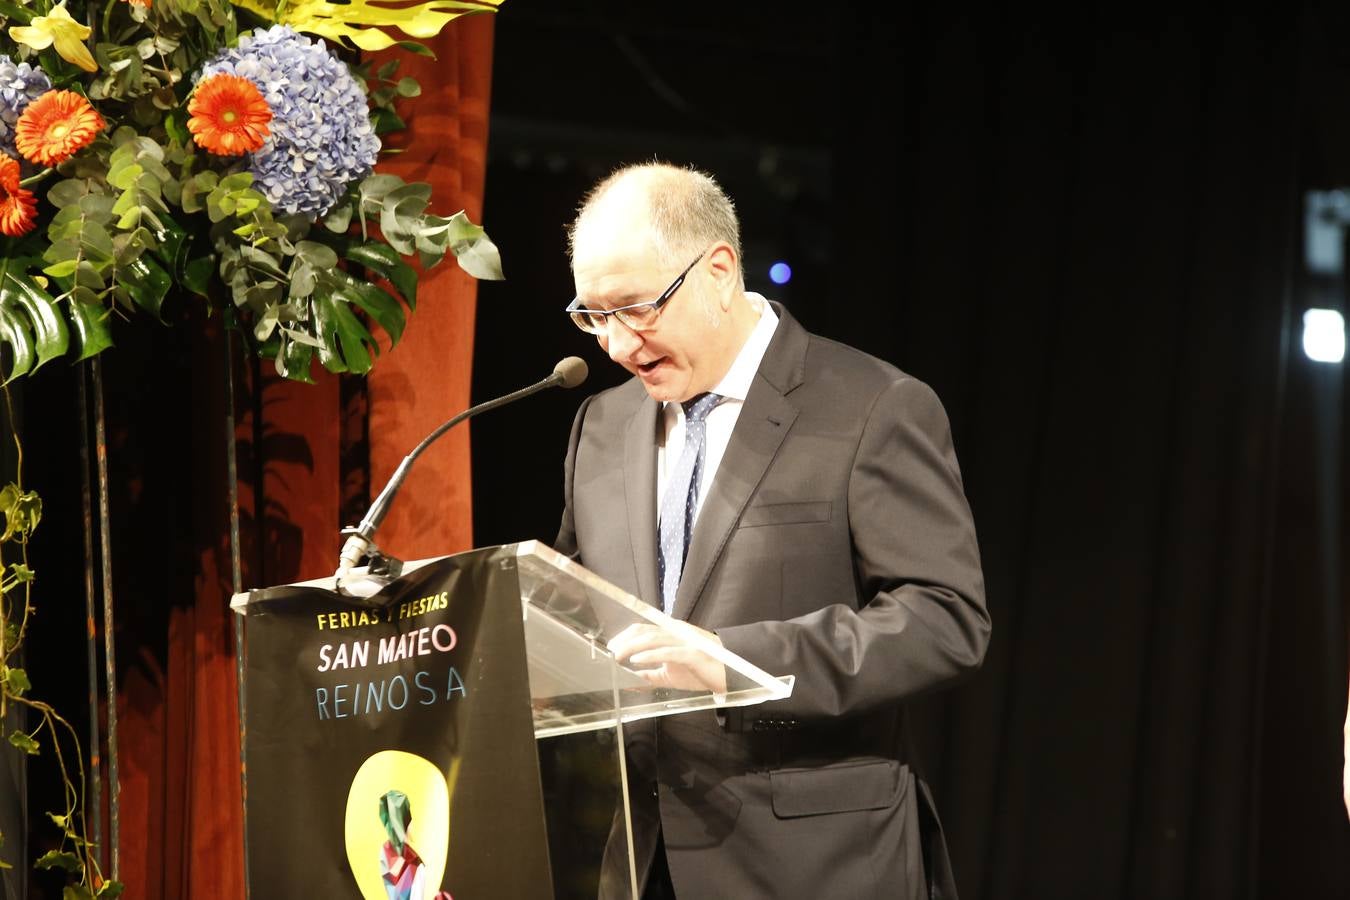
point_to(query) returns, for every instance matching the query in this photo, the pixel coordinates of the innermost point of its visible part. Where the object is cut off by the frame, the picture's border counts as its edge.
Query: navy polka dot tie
(677, 506)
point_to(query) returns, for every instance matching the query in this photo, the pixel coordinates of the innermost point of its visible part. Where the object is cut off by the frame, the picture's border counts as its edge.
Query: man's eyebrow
(627, 299)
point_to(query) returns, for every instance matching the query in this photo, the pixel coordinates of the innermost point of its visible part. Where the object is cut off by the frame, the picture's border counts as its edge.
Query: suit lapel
(760, 429)
(639, 486)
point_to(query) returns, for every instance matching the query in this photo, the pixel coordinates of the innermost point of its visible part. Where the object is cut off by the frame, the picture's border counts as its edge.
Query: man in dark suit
(794, 499)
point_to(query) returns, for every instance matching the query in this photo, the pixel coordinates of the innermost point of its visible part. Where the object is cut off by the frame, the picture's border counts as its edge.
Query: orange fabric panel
(425, 379)
(301, 477)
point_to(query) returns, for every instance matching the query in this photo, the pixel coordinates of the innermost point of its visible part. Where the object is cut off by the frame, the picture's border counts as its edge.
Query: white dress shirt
(733, 386)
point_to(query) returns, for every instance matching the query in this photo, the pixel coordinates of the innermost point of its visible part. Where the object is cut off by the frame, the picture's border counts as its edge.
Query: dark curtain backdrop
(1085, 232)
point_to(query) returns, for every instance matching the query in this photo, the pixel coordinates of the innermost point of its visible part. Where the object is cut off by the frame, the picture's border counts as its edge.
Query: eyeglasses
(638, 316)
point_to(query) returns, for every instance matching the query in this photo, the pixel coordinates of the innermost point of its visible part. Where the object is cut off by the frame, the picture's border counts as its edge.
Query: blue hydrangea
(20, 85)
(321, 139)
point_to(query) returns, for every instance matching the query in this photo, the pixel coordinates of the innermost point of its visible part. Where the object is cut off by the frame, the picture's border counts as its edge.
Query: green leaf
(320, 256)
(23, 742)
(91, 328)
(377, 304)
(13, 333)
(17, 680)
(401, 214)
(60, 859)
(346, 340)
(383, 260)
(415, 48)
(480, 258)
(386, 120)
(22, 511)
(197, 274)
(293, 361)
(110, 890)
(68, 192)
(408, 87)
(236, 181)
(62, 269)
(22, 14)
(22, 574)
(339, 218)
(147, 283)
(76, 892)
(49, 329)
(376, 187)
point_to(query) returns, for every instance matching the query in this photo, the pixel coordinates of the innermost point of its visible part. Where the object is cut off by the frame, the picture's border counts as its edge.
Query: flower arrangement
(222, 149)
(201, 147)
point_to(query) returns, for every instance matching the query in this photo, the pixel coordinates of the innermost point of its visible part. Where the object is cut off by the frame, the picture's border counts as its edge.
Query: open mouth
(650, 367)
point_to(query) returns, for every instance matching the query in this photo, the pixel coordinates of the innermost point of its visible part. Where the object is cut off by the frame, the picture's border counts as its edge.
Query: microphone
(568, 373)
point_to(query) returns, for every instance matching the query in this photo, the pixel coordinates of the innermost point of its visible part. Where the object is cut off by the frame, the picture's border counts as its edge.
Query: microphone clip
(360, 548)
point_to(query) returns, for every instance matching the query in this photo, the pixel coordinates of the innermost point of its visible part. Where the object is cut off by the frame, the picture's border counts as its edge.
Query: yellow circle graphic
(428, 832)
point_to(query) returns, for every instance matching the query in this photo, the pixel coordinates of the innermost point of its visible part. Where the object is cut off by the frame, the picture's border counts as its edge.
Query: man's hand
(666, 659)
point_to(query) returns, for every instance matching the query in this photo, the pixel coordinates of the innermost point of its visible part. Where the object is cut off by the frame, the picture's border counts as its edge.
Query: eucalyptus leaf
(339, 218)
(67, 192)
(320, 256)
(415, 48)
(480, 258)
(266, 324)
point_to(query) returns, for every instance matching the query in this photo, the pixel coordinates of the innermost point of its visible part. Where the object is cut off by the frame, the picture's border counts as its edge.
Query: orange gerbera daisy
(18, 209)
(55, 126)
(229, 115)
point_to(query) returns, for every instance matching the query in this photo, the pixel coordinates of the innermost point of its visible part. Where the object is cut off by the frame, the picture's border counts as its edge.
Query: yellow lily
(60, 29)
(360, 21)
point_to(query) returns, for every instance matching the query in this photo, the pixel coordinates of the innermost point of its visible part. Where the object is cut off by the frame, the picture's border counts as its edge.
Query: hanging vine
(75, 855)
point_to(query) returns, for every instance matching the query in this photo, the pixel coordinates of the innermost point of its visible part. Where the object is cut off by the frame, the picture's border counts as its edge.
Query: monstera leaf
(360, 22)
(30, 322)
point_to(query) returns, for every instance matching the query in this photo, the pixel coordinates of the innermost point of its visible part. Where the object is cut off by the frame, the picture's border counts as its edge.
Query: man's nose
(621, 342)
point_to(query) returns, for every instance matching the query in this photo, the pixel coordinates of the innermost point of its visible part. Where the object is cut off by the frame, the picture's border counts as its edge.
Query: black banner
(389, 744)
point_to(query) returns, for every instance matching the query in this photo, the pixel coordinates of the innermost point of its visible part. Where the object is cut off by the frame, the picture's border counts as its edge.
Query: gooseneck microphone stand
(360, 544)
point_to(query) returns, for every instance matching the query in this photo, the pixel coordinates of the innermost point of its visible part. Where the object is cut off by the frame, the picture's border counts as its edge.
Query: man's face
(683, 355)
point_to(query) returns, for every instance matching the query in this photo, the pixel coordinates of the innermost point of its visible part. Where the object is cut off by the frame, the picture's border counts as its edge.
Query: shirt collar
(735, 385)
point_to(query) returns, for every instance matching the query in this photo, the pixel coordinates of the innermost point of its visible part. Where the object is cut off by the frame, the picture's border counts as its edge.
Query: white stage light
(1324, 335)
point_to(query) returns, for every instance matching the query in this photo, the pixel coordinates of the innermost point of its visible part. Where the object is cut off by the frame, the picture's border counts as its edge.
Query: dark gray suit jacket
(835, 544)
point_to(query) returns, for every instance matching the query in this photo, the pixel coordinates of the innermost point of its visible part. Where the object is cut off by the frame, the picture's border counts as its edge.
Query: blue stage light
(780, 273)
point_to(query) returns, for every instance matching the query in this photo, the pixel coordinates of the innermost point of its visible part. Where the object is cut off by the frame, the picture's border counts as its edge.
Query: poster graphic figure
(398, 828)
(400, 866)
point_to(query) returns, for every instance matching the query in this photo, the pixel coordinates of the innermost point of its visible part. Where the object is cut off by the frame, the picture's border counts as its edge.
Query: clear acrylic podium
(581, 697)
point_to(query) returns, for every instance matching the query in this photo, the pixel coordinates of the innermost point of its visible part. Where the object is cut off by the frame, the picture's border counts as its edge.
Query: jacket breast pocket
(786, 513)
(847, 787)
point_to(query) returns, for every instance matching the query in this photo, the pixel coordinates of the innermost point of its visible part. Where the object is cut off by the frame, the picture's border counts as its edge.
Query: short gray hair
(687, 209)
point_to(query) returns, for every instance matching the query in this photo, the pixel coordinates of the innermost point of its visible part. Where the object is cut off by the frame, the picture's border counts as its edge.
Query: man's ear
(725, 269)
